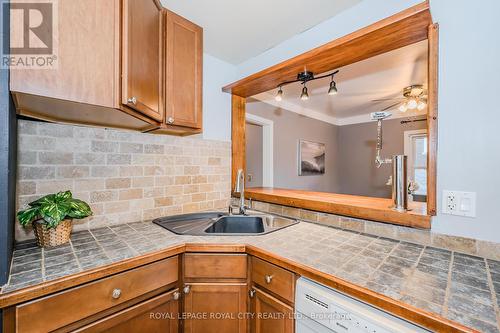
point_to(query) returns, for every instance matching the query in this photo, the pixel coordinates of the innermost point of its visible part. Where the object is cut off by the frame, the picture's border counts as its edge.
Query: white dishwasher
(324, 310)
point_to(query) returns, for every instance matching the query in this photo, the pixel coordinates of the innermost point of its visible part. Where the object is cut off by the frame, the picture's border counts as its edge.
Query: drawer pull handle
(252, 293)
(186, 289)
(132, 100)
(170, 120)
(116, 293)
(269, 278)
(177, 295)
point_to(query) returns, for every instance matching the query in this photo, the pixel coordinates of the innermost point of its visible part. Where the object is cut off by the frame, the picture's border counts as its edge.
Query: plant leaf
(27, 216)
(43, 200)
(55, 212)
(79, 209)
(64, 195)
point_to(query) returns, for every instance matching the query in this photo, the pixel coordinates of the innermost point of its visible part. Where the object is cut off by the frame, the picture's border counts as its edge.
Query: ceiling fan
(414, 98)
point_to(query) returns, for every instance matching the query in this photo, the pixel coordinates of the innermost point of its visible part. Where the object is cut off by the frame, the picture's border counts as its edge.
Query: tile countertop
(460, 287)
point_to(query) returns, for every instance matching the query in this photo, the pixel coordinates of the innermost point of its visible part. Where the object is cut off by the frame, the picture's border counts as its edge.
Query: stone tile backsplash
(125, 176)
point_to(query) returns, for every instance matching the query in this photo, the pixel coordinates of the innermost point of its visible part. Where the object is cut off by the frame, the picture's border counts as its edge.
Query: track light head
(333, 89)
(304, 96)
(279, 95)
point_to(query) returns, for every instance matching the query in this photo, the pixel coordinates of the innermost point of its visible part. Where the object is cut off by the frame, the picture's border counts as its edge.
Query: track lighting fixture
(305, 77)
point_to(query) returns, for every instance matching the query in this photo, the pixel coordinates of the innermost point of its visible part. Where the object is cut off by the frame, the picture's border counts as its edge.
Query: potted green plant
(51, 217)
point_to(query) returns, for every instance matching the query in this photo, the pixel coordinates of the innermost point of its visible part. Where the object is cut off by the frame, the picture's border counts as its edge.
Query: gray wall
(357, 150)
(7, 166)
(289, 127)
(350, 152)
(254, 149)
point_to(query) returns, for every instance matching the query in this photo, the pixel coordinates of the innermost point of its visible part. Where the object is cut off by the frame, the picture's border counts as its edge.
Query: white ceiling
(358, 84)
(237, 30)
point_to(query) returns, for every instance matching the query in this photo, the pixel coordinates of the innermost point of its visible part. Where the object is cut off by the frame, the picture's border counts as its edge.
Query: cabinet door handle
(252, 293)
(177, 295)
(116, 293)
(186, 289)
(269, 278)
(170, 120)
(132, 100)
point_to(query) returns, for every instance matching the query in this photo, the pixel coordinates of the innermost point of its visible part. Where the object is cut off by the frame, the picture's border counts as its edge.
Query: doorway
(415, 147)
(260, 146)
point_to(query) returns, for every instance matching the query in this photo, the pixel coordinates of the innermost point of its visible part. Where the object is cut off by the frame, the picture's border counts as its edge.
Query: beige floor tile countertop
(460, 287)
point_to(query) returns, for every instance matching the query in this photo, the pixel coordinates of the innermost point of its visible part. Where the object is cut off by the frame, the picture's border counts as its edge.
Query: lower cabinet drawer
(273, 278)
(215, 266)
(159, 314)
(69, 306)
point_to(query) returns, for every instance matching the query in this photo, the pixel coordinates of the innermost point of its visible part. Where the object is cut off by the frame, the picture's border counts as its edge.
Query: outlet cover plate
(459, 203)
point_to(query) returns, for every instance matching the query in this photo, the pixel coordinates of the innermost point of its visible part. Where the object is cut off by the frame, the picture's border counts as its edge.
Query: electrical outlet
(459, 203)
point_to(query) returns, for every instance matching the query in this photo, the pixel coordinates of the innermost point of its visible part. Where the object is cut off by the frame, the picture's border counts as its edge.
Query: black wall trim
(8, 158)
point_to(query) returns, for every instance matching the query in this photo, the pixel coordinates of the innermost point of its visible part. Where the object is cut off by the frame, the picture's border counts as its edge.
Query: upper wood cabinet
(120, 63)
(184, 51)
(142, 57)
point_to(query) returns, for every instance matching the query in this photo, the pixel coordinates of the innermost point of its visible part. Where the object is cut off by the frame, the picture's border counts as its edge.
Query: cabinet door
(142, 53)
(270, 315)
(159, 314)
(220, 308)
(88, 56)
(184, 54)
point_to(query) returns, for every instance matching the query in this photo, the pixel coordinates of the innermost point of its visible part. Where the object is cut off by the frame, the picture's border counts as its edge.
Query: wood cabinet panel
(221, 306)
(270, 315)
(184, 57)
(142, 54)
(273, 278)
(88, 55)
(78, 303)
(159, 314)
(215, 266)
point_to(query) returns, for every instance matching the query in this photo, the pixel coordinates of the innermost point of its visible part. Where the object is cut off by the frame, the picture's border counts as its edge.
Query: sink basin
(221, 224)
(237, 225)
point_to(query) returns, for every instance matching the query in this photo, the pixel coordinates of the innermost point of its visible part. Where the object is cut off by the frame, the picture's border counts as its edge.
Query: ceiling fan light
(403, 107)
(333, 89)
(421, 105)
(304, 96)
(279, 95)
(412, 104)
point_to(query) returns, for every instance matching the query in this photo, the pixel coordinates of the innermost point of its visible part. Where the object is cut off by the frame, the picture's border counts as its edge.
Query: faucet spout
(240, 188)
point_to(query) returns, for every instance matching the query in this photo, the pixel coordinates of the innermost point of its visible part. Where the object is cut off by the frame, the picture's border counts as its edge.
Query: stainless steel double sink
(217, 223)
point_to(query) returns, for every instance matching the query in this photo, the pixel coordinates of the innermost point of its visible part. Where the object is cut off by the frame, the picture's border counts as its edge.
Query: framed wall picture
(311, 158)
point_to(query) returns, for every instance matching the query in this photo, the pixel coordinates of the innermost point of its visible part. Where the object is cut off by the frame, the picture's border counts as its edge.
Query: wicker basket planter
(50, 237)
